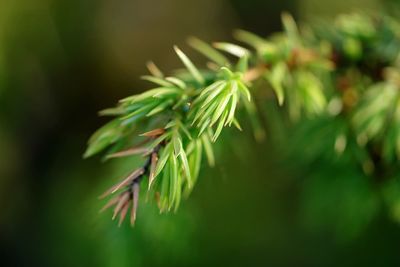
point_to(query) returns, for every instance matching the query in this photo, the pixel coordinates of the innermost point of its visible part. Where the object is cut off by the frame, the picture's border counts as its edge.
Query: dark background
(62, 61)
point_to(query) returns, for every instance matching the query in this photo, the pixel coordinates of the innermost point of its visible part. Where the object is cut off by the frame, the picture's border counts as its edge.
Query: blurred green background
(62, 61)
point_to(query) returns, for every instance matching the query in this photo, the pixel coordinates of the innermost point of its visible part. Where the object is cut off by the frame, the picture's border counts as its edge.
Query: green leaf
(237, 125)
(310, 87)
(190, 66)
(197, 159)
(214, 94)
(186, 169)
(243, 64)
(232, 49)
(232, 109)
(244, 90)
(249, 38)
(204, 126)
(220, 126)
(177, 142)
(156, 92)
(178, 193)
(112, 111)
(158, 81)
(178, 82)
(165, 154)
(220, 109)
(173, 186)
(164, 194)
(98, 146)
(158, 140)
(140, 111)
(208, 51)
(291, 29)
(228, 74)
(206, 115)
(194, 159)
(159, 108)
(185, 131)
(208, 89)
(276, 77)
(102, 138)
(205, 138)
(170, 124)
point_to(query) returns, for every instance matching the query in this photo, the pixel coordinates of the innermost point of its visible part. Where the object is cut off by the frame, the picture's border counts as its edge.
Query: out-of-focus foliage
(358, 129)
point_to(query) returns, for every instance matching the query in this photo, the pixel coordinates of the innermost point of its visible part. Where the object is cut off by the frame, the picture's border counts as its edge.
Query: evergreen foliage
(338, 83)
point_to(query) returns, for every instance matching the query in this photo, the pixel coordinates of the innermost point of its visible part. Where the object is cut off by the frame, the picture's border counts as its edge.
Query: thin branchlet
(129, 187)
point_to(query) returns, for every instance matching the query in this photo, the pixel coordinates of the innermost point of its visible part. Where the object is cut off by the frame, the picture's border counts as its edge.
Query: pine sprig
(184, 110)
(345, 74)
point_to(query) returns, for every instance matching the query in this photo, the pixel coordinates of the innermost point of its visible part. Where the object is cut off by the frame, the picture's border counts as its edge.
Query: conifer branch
(347, 70)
